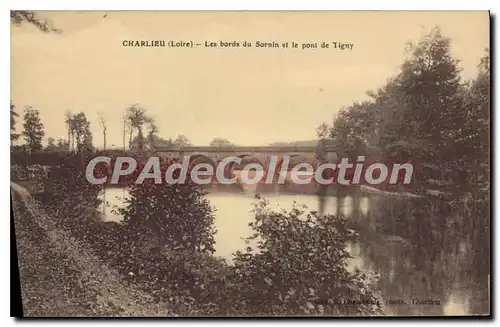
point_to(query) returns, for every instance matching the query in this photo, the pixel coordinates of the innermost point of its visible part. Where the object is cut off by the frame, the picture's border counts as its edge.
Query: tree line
(426, 114)
(429, 115)
(140, 132)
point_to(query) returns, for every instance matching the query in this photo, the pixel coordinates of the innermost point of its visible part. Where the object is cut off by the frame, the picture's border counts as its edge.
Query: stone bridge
(259, 154)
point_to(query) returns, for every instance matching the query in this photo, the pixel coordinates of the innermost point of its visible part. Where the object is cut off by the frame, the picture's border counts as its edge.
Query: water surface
(437, 285)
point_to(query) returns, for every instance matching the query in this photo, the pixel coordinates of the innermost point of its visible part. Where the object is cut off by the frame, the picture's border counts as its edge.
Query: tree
(428, 115)
(182, 141)
(62, 145)
(70, 126)
(82, 132)
(18, 17)
(87, 143)
(220, 142)
(152, 140)
(13, 115)
(104, 130)
(415, 116)
(79, 135)
(130, 130)
(152, 133)
(33, 129)
(136, 118)
(431, 89)
(322, 131)
(353, 128)
(51, 144)
(125, 130)
(471, 158)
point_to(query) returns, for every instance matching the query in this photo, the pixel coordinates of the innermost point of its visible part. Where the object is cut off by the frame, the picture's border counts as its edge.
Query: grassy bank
(60, 276)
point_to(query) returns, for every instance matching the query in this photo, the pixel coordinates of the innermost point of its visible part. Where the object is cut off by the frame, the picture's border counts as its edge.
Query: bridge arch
(198, 158)
(246, 158)
(249, 158)
(299, 158)
(201, 158)
(280, 162)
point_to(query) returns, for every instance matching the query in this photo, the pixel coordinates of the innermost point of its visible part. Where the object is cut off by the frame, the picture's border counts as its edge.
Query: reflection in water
(364, 205)
(347, 206)
(433, 278)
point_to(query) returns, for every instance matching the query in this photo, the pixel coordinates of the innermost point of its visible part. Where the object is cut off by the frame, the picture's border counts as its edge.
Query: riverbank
(206, 286)
(60, 276)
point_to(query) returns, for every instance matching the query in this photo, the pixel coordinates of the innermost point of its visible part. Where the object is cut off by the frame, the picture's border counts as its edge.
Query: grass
(28, 184)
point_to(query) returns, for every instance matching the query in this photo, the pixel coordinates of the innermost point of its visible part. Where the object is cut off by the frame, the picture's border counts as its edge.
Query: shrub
(18, 173)
(168, 254)
(165, 247)
(69, 195)
(178, 214)
(299, 267)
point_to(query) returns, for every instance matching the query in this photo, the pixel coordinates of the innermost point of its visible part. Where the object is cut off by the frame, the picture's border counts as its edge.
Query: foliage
(18, 17)
(299, 267)
(104, 126)
(136, 118)
(180, 270)
(13, 115)
(67, 190)
(178, 214)
(33, 129)
(181, 141)
(425, 115)
(429, 116)
(220, 142)
(18, 173)
(54, 145)
(79, 135)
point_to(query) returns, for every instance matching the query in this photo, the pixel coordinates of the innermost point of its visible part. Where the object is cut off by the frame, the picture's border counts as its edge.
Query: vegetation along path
(60, 276)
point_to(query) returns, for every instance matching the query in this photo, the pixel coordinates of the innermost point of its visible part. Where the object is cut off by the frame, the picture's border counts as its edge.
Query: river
(406, 273)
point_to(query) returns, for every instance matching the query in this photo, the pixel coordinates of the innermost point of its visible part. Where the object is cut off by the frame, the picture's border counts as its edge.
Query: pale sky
(249, 96)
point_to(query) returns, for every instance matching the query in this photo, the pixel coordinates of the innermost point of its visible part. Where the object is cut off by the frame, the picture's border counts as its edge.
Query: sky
(250, 96)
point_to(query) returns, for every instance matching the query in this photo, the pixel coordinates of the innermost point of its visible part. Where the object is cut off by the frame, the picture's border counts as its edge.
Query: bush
(299, 268)
(18, 173)
(165, 247)
(69, 195)
(177, 214)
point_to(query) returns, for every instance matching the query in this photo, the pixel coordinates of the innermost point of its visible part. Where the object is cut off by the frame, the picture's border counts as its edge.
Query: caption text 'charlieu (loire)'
(244, 44)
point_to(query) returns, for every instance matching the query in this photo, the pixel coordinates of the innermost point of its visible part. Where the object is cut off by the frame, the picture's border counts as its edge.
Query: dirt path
(60, 276)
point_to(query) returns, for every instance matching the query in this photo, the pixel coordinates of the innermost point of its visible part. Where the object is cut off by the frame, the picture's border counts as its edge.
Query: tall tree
(13, 115)
(414, 116)
(33, 129)
(431, 86)
(70, 127)
(81, 127)
(104, 129)
(87, 143)
(136, 118)
(152, 132)
(478, 155)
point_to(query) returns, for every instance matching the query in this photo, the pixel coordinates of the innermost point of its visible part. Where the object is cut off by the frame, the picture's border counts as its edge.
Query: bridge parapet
(244, 149)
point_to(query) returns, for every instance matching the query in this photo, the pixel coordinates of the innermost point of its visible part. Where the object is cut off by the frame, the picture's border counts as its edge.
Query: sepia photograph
(250, 163)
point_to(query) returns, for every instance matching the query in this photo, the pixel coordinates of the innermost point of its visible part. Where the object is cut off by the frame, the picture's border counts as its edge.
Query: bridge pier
(356, 211)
